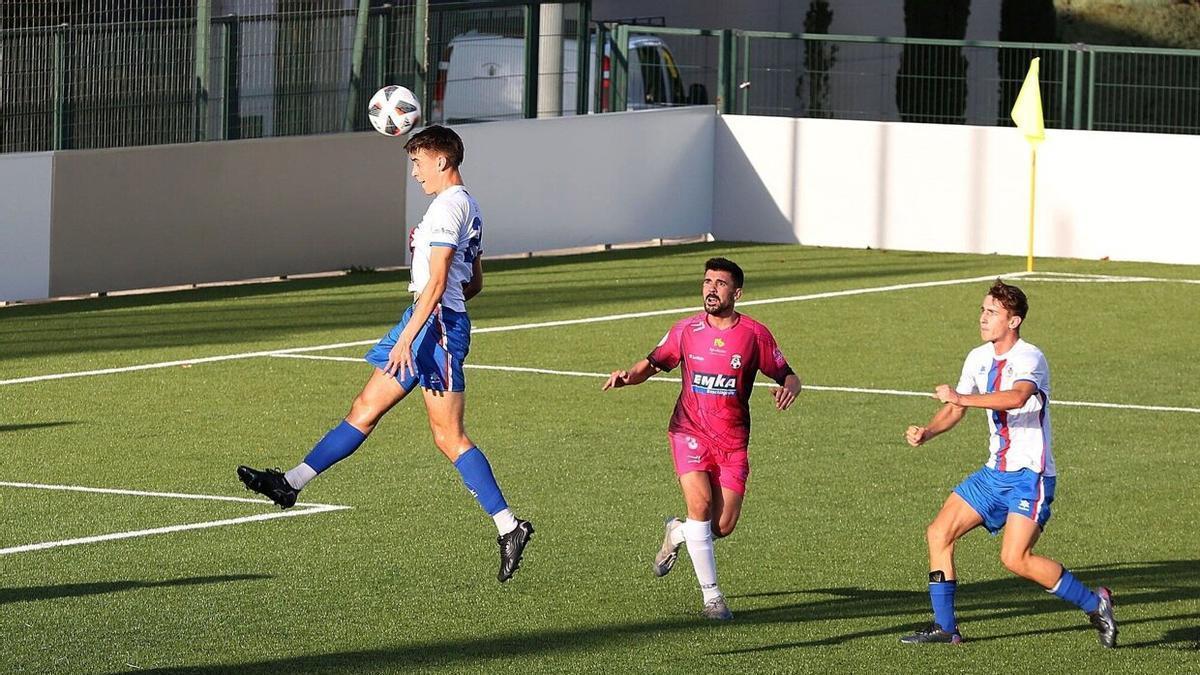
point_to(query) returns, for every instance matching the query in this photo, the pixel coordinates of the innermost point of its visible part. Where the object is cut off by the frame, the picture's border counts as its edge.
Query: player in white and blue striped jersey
(1010, 379)
(426, 348)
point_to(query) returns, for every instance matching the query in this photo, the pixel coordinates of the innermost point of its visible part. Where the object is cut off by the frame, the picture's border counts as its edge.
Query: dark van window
(652, 76)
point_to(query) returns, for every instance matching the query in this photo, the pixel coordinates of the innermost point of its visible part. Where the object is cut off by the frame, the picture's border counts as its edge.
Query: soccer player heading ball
(427, 348)
(1010, 379)
(721, 351)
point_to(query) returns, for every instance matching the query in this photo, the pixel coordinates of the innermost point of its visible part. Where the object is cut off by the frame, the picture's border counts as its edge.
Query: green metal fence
(132, 72)
(95, 84)
(939, 81)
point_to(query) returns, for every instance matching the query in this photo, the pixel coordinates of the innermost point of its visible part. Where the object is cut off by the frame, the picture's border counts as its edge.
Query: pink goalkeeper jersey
(718, 375)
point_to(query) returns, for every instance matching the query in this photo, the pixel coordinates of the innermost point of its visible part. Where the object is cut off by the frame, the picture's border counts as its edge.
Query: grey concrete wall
(597, 179)
(25, 190)
(176, 214)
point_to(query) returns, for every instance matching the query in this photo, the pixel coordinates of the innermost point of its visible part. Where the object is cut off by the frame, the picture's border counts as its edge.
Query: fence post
(724, 70)
(742, 84)
(356, 63)
(583, 51)
(384, 58)
(421, 54)
(203, 12)
(58, 128)
(618, 88)
(1077, 121)
(532, 35)
(231, 88)
(1091, 95)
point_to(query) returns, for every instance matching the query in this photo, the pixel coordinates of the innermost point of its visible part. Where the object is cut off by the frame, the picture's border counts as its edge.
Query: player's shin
(477, 476)
(698, 536)
(338, 444)
(1073, 591)
(941, 596)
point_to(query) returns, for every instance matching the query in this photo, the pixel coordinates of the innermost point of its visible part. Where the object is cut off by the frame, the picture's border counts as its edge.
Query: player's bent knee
(1017, 562)
(935, 534)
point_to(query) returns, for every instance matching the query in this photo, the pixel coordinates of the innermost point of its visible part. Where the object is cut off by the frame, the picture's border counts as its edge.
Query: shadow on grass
(31, 425)
(36, 593)
(516, 291)
(1154, 583)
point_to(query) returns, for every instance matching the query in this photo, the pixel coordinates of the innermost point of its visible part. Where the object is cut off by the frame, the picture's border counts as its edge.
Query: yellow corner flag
(1027, 111)
(1027, 114)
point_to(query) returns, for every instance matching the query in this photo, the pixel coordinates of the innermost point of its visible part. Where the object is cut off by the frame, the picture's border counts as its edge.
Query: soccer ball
(394, 111)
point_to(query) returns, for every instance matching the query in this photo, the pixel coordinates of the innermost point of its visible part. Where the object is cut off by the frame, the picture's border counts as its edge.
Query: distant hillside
(1133, 23)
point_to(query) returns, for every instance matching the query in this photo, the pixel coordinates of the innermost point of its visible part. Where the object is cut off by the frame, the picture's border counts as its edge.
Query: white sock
(505, 521)
(299, 476)
(677, 533)
(698, 535)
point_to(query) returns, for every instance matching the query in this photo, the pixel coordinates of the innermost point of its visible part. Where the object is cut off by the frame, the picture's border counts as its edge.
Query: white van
(482, 77)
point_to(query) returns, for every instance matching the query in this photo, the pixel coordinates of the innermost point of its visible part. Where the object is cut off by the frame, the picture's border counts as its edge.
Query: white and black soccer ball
(394, 111)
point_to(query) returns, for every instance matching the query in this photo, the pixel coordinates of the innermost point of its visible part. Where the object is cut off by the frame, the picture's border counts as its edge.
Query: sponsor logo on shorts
(693, 459)
(692, 443)
(1023, 505)
(719, 385)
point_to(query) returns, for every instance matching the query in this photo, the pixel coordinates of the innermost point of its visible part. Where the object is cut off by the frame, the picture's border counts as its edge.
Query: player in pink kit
(721, 351)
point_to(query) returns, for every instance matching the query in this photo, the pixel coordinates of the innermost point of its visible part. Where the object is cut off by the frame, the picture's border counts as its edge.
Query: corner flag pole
(1027, 114)
(1032, 199)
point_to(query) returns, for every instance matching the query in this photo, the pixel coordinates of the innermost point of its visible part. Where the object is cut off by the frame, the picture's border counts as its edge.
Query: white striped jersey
(452, 220)
(1020, 438)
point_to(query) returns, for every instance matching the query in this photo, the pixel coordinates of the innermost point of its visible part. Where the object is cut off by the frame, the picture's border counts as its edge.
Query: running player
(721, 351)
(1010, 379)
(427, 348)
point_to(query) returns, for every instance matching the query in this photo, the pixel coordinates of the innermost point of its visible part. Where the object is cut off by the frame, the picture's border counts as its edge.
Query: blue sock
(1073, 591)
(477, 476)
(338, 444)
(941, 596)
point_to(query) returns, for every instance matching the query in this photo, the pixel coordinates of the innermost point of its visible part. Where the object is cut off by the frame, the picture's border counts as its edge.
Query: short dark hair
(726, 265)
(438, 140)
(1011, 297)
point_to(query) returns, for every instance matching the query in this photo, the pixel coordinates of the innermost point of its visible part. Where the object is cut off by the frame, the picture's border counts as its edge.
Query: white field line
(502, 329)
(307, 509)
(1098, 278)
(813, 387)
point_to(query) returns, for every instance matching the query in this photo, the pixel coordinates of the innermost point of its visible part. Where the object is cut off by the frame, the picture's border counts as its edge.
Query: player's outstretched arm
(786, 394)
(943, 420)
(637, 374)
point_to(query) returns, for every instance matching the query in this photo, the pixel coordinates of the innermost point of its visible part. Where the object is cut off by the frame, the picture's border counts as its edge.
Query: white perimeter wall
(576, 181)
(25, 197)
(956, 188)
(104, 220)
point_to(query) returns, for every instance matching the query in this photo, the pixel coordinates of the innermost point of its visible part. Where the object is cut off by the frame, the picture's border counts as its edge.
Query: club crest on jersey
(720, 385)
(735, 361)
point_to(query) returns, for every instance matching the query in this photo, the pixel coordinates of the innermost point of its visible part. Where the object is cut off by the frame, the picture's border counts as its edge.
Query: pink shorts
(693, 453)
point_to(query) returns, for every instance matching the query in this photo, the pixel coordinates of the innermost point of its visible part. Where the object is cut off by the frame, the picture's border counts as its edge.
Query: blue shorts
(995, 494)
(438, 352)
